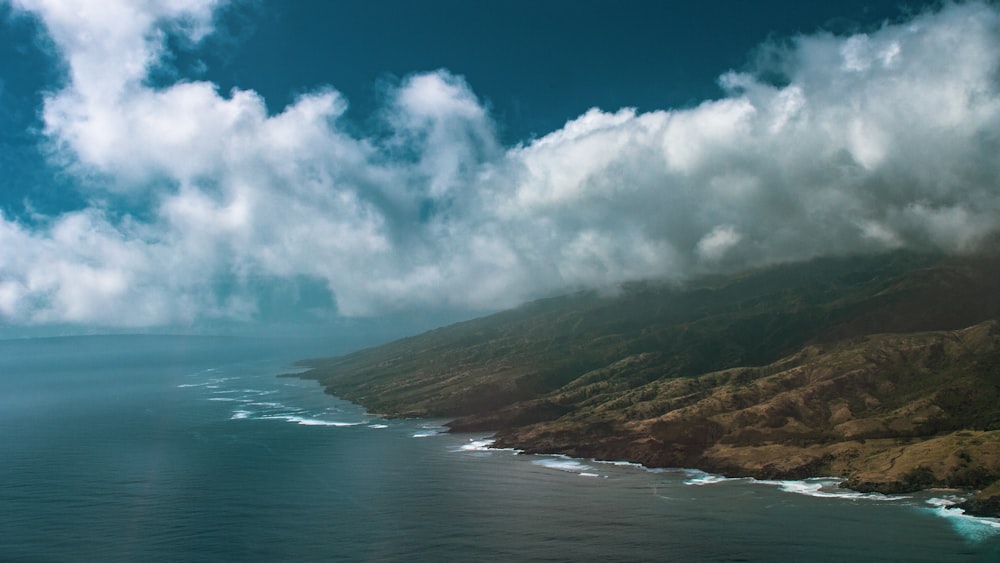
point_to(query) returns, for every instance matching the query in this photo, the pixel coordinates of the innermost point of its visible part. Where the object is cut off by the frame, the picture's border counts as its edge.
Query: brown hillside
(860, 366)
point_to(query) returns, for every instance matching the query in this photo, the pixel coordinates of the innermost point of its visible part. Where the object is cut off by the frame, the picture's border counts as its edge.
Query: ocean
(154, 448)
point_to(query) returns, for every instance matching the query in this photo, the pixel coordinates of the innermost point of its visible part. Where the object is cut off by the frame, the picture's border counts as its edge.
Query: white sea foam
(698, 477)
(230, 399)
(317, 422)
(428, 430)
(308, 421)
(240, 415)
(213, 383)
(483, 446)
(621, 463)
(478, 445)
(378, 426)
(943, 502)
(563, 463)
(820, 487)
(825, 487)
(272, 405)
(973, 528)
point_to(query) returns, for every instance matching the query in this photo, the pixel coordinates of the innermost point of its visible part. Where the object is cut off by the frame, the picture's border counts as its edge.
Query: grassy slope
(892, 412)
(651, 374)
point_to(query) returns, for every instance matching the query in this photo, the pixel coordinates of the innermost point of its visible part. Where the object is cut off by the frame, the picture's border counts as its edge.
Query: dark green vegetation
(883, 369)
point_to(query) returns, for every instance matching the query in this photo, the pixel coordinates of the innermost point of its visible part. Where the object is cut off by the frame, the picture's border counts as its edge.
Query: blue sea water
(140, 448)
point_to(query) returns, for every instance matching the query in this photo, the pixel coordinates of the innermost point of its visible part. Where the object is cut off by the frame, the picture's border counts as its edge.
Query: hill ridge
(631, 376)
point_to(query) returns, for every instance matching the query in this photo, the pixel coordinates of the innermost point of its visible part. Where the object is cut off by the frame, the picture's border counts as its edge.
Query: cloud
(715, 244)
(881, 140)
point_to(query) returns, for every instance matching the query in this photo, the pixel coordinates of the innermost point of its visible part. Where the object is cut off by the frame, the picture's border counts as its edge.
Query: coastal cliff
(884, 370)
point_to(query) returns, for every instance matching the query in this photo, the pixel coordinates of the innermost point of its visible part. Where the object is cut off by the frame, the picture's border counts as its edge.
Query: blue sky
(537, 64)
(204, 165)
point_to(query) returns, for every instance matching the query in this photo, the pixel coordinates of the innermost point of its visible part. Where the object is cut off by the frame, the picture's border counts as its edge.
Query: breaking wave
(305, 421)
(568, 464)
(249, 401)
(972, 528)
(825, 487)
(428, 430)
(477, 445)
(699, 477)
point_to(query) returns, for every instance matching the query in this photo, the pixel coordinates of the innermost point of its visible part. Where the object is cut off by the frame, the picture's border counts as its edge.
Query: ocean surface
(145, 448)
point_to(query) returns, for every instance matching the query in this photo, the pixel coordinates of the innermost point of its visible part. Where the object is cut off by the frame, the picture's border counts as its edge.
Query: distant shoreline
(976, 504)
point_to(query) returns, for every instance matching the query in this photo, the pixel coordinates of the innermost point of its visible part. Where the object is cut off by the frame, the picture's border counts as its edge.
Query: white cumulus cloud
(875, 141)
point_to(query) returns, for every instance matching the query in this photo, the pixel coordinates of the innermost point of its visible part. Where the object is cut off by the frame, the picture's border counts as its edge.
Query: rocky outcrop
(985, 503)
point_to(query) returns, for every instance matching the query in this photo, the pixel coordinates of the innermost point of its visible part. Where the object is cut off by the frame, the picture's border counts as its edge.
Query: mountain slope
(855, 358)
(484, 365)
(892, 412)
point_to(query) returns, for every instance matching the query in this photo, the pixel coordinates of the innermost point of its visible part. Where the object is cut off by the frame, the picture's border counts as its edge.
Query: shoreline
(815, 486)
(973, 503)
(976, 504)
(823, 487)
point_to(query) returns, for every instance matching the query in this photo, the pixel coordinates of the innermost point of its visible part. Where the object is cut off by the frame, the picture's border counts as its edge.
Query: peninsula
(883, 369)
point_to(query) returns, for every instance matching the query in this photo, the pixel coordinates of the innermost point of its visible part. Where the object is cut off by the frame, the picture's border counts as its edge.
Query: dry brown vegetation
(885, 370)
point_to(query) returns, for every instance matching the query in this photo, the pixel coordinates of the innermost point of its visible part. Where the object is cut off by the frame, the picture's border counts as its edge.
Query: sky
(212, 165)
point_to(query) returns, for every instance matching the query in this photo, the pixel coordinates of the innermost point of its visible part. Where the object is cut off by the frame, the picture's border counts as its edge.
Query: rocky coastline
(882, 370)
(799, 464)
